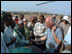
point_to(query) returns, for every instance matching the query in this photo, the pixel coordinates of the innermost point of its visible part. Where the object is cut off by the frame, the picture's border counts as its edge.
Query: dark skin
(41, 19)
(7, 23)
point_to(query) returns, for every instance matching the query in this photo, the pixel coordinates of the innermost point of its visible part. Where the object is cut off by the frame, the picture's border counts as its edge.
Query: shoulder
(37, 23)
(58, 30)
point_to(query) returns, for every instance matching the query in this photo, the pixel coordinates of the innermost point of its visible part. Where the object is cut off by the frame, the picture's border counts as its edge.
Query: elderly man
(26, 28)
(53, 36)
(8, 34)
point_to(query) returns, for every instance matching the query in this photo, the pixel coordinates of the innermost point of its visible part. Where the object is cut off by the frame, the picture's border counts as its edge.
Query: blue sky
(58, 7)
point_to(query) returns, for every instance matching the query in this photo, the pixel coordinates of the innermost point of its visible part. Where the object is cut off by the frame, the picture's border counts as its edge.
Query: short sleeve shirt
(50, 37)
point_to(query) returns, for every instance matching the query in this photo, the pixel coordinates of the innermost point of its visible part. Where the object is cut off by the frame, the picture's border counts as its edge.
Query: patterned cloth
(39, 29)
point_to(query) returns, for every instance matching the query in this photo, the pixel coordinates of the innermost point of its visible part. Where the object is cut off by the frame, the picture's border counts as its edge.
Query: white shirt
(39, 29)
(4, 49)
(7, 37)
(68, 37)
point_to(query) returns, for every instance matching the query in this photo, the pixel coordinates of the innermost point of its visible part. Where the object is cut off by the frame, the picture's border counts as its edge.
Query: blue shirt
(50, 37)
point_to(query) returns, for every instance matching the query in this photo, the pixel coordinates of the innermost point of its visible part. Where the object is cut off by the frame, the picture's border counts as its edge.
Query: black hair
(67, 22)
(16, 16)
(21, 16)
(2, 26)
(6, 17)
(12, 24)
(42, 16)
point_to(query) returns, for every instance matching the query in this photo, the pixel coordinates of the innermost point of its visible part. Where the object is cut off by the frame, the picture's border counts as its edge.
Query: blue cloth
(50, 37)
(4, 48)
(23, 50)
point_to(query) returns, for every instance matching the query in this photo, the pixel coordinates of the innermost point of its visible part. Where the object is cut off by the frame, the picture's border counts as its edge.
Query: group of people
(47, 34)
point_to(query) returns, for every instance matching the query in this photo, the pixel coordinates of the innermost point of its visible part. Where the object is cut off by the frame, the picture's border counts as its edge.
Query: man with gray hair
(53, 36)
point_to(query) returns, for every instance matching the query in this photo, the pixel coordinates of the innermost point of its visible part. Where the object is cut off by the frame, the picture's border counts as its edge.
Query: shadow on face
(20, 26)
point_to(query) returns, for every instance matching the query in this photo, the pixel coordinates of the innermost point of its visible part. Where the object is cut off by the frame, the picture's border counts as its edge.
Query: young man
(4, 48)
(39, 28)
(60, 21)
(8, 34)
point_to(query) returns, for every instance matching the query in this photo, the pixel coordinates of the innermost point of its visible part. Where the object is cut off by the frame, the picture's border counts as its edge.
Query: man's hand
(31, 41)
(53, 29)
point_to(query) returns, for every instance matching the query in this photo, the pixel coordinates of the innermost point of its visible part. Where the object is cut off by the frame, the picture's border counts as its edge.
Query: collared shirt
(4, 48)
(39, 29)
(7, 37)
(19, 40)
(27, 31)
(50, 37)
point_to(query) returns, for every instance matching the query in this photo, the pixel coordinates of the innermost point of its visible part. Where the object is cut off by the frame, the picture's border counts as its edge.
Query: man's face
(16, 18)
(64, 21)
(21, 16)
(41, 19)
(25, 22)
(20, 26)
(47, 23)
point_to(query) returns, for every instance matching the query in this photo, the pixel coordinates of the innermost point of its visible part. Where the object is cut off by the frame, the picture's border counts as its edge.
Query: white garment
(4, 49)
(7, 37)
(39, 29)
(68, 37)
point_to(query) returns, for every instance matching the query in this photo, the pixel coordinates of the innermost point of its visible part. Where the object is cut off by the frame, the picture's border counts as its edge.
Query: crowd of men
(45, 34)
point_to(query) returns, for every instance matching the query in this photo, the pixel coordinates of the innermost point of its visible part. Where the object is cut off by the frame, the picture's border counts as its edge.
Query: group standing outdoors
(46, 34)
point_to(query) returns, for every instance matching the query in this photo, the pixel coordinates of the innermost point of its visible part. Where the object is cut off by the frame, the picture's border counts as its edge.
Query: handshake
(34, 41)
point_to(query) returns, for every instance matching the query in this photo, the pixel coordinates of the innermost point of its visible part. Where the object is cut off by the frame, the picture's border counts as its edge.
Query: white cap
(54, 15)
(20, 22)
(65, 18)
